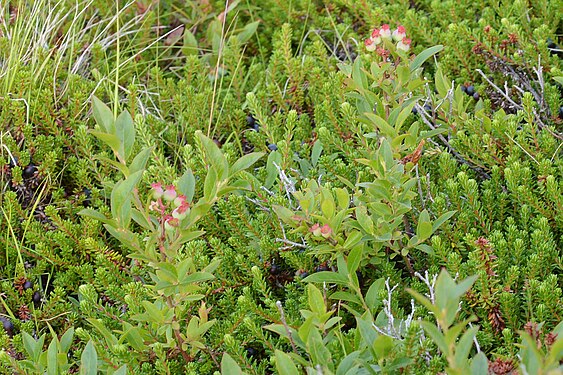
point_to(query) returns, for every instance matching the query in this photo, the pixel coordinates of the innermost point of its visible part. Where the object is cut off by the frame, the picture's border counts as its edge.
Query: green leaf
(441, 220)
(284, 364)
(110, 139)
(210, 185)
(424, 55)
(435, 335)
(354, 259)
(121, 371)
(189, 46)
(89, 360)
(66, 340)
(480, 364)
(229, 366)
(380, 124)
(214, 156)
(103, 115)
(33, 347)
(140, 160)
(186, 185)
(326, 277)
(121, 199)
(271, 170)
(424, 227)
(93, 214)
(316, 152)
(284, 213)
(52, 362)
(316, 300)
(245, 161)
(125, 130)
(372, 296)
(247, 32)
(464, 345)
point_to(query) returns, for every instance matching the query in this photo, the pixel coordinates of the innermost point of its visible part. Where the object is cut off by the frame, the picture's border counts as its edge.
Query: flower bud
(157, 190)
(326, 231)
(385, 31)
(170, 193)
(375, 36)
(315, 229)
(399, 33)
(170, 222)
(404, 45)
(181, 212)
(180, 199)
(370, 45)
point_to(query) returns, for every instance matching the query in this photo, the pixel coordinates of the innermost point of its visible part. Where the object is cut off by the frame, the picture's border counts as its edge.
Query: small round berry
(250, 352)
(272, 147)
(36, 298)
(8, 325)
(250, 121)
(551, 43)
(27, 285)
(561, 112)
(476, 96)
(470, 90)
(463, 88)
(29, 171)
(275, 269)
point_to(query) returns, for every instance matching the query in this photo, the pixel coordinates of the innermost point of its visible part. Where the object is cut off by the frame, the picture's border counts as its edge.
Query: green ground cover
(260, 187)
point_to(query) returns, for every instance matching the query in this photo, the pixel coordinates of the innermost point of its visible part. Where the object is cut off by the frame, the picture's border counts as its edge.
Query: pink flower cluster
(319, 230)
(172, 207)
(378, 35)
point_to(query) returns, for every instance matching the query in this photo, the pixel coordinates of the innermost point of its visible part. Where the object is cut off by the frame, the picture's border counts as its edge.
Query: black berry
(27, 285)
(8, 325)
(250, 121)
(463, 88)
(29, 171)
(322, 267)
(87, 197)
(36, 298)
(251, 352)
(428, 108)
(470, 90)
(561, 112)
(476, 96)
(551, 43)
(414, 110)
(272, 147)
(275, 269)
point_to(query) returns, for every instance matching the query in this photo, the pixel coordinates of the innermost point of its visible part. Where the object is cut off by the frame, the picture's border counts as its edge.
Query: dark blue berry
(470, 90)
(251, 352)
(29, 171)
(476, 96)
(561, 112)
(250, 121)
(87, 197)
(414, 110)
(8, 325)
(321, 268)
(463, 88)
(272, 147)
(427, 108)
(551, 43)
(275, 269)
(27, 285)
(36, 298)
